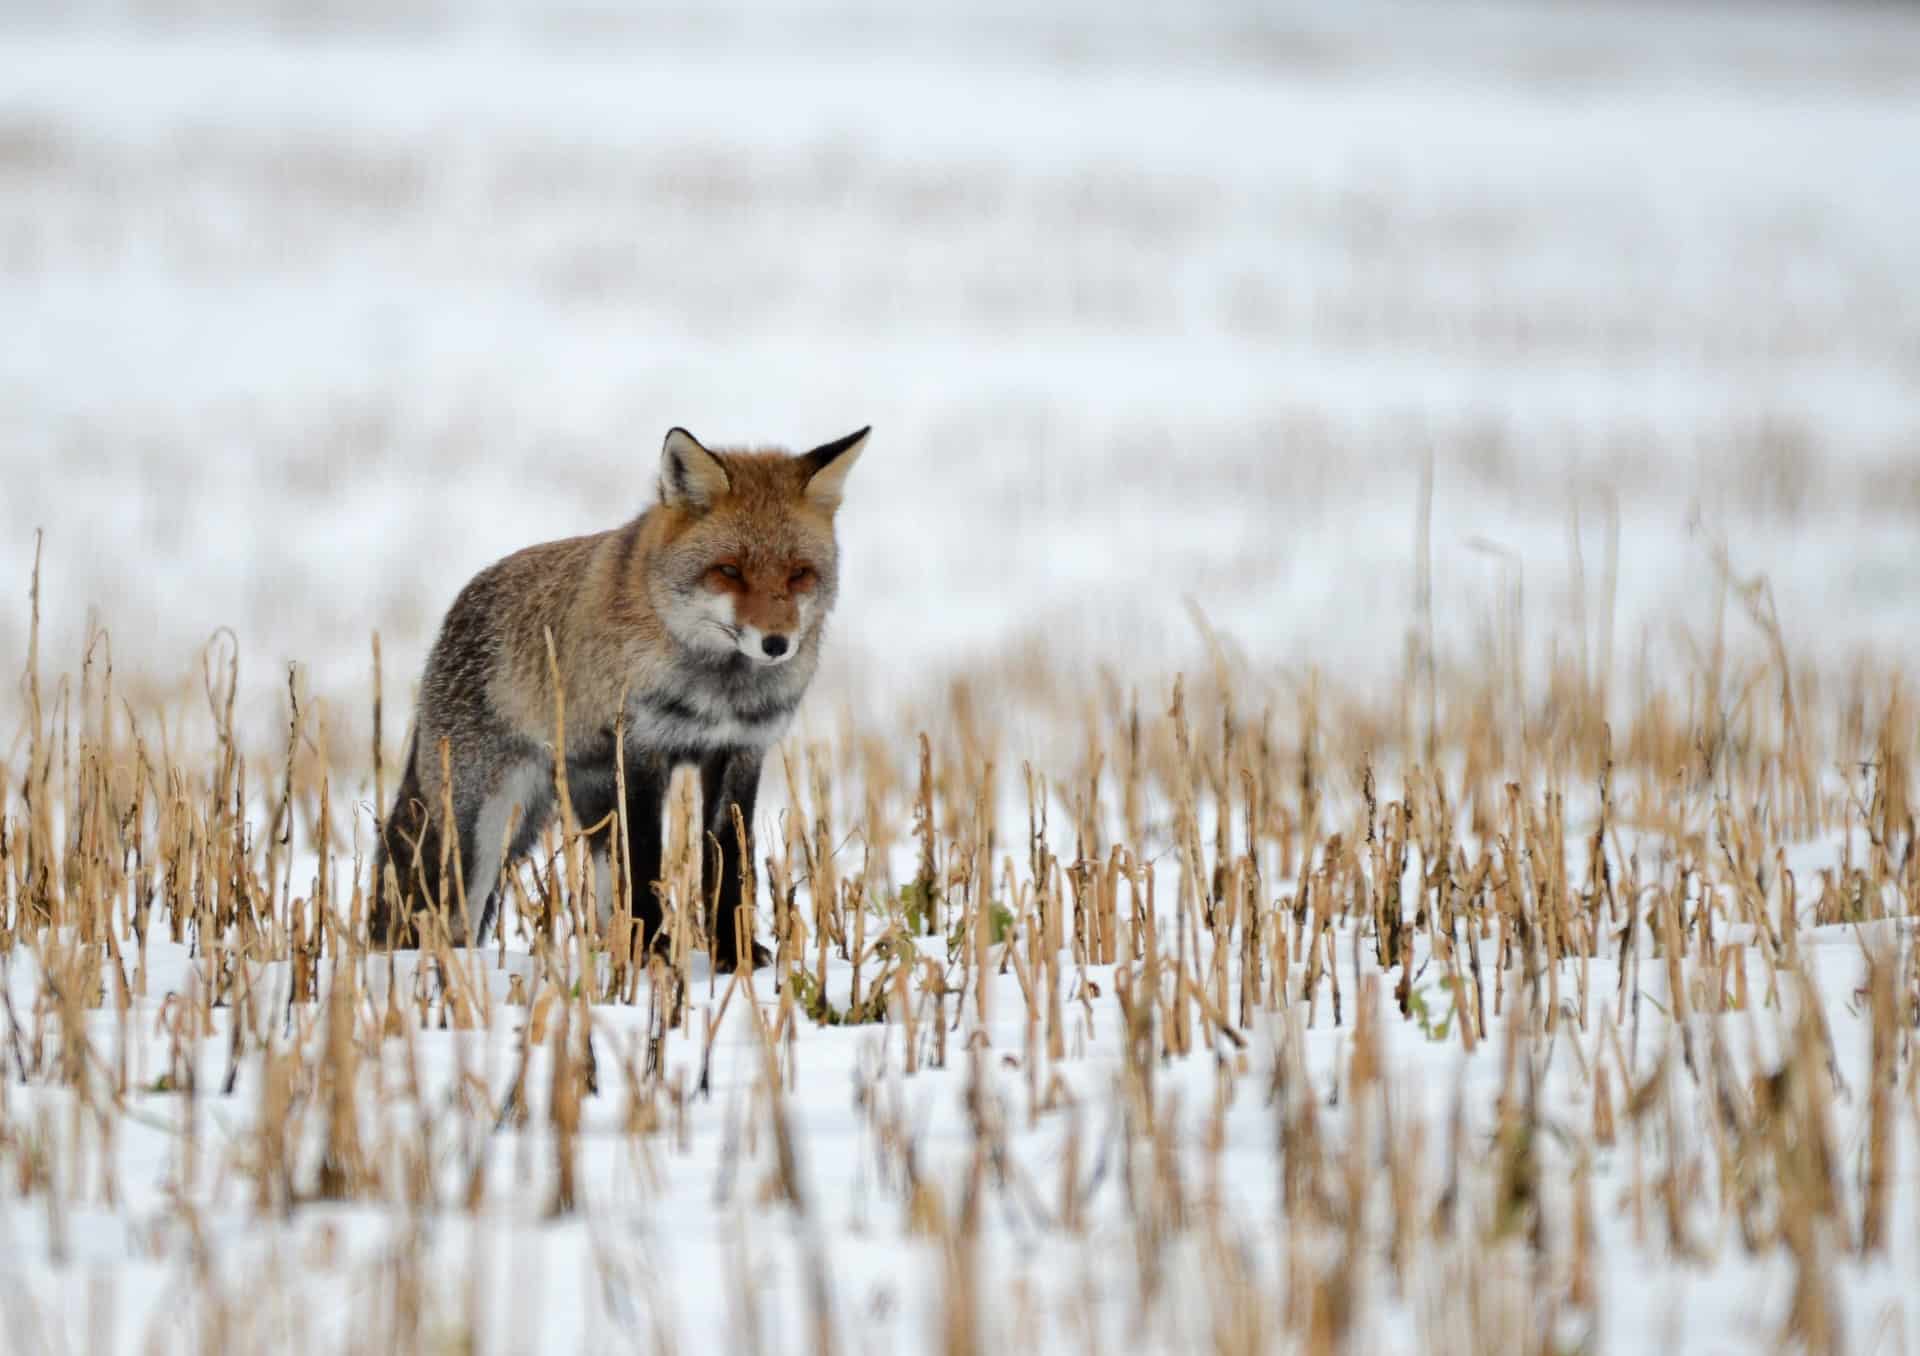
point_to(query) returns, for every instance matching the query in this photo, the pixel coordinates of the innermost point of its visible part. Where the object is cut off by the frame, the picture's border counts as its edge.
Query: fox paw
(726, 958)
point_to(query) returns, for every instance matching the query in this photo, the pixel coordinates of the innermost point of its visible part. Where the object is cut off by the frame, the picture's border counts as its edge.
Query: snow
(308, 319)
(315, 324)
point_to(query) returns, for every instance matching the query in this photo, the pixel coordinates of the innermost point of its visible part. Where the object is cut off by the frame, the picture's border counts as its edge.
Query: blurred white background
(313, 309)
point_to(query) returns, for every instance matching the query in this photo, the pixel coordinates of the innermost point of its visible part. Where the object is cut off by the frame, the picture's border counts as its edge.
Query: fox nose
(775, 646)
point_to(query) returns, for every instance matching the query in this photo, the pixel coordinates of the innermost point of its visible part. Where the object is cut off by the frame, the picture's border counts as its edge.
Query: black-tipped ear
(831, 462)
(690, 476)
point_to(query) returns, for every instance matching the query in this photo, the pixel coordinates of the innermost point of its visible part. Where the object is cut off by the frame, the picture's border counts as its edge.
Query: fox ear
(829, 463)
(690, 476)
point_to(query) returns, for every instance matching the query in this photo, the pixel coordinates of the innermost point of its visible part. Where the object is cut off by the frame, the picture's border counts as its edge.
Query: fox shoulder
(496, 629)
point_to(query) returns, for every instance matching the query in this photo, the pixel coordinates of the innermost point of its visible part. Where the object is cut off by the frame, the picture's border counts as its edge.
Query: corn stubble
(1235, 893)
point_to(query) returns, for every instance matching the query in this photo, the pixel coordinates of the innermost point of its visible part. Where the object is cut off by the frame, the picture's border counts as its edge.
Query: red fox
(706, 612)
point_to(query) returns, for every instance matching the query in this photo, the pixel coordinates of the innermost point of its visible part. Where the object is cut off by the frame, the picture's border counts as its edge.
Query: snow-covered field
(1165, 318)
(308, 320)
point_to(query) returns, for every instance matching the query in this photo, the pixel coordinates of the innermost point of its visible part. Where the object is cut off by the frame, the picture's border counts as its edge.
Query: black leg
(647, 778)
(727, 780)
(402, 832)
(412, 841)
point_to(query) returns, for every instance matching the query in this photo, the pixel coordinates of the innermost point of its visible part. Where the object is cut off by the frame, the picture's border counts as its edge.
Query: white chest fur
(700, 716)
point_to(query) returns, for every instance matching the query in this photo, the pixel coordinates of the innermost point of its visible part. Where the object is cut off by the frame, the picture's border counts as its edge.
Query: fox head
(748, 564)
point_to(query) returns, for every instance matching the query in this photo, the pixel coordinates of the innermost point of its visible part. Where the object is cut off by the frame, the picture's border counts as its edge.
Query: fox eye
(802, 574)
(730, 572)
